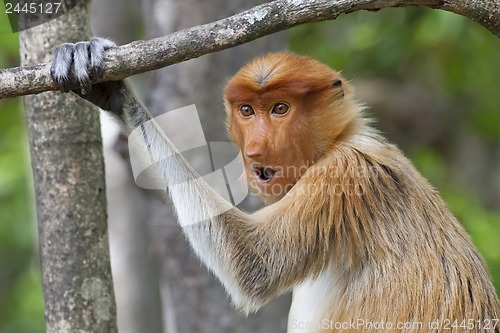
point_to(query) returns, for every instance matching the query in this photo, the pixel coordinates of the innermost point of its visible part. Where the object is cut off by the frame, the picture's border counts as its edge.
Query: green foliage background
(21, 305)
(446, 55)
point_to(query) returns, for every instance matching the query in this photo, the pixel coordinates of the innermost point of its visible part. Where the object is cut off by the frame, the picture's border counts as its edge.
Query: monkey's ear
(337, 84)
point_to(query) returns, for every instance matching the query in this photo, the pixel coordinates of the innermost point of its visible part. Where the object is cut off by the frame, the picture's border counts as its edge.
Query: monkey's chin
(269, 191)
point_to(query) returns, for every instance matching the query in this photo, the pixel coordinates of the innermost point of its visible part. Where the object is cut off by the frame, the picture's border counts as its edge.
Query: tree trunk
(135, 272)
(67, 162)
(194, 301)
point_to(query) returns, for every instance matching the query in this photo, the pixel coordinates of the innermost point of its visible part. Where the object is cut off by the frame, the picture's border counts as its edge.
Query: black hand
(81, 60)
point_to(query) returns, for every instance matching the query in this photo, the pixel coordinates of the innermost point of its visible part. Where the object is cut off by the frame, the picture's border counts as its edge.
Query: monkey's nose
(255, 151)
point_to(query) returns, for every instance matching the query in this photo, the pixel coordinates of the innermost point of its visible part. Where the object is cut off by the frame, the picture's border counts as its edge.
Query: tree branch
(142, 56)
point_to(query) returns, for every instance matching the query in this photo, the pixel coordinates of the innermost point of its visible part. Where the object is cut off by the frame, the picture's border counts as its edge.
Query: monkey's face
(267, 130)
(280, 114)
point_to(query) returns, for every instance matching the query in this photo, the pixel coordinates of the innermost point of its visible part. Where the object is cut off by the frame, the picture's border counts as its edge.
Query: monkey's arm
(255, 256)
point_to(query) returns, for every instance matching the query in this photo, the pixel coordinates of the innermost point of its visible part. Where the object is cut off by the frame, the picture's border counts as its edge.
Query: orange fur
(351, 205)
(293, 142)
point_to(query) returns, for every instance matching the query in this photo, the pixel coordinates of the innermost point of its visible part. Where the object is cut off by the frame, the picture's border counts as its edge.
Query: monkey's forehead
(286, 72)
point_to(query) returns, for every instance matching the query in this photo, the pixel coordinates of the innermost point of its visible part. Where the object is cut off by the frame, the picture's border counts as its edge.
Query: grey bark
(194, 301)
(142, 56)
(135, 272)
(66, 157)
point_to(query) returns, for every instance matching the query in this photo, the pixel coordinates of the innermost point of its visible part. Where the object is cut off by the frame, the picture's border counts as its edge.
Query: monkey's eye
(246, 111)
(280, 109)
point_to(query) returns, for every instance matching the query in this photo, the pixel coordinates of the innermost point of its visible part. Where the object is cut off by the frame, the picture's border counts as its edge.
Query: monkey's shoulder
(368, 171)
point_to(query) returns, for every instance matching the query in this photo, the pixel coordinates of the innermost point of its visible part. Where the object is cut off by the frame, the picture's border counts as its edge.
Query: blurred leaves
(21, 304)
(444, 52)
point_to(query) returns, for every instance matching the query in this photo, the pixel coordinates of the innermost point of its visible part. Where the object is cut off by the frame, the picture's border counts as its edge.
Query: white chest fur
(314, 300)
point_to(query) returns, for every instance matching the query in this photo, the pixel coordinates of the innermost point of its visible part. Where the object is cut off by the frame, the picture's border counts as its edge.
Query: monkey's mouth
(264, 174)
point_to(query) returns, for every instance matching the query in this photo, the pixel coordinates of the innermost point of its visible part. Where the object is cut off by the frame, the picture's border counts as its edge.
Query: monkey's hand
(83, 61)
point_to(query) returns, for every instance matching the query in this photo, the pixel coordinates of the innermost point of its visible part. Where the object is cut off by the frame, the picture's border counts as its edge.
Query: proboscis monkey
(351, 228)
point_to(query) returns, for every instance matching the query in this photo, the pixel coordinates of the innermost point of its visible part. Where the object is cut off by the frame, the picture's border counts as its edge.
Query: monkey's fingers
(79, 61)
(97, 48)
(60, 68)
